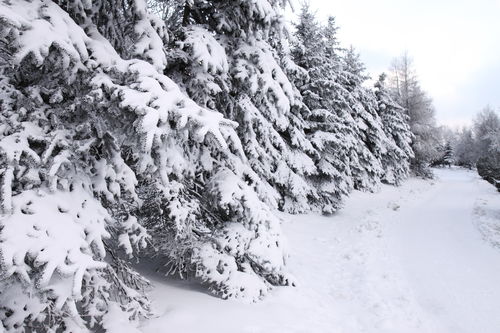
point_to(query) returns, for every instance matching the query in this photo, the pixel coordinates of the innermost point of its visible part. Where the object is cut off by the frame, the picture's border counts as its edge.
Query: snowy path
(424, 257)
(454, 273)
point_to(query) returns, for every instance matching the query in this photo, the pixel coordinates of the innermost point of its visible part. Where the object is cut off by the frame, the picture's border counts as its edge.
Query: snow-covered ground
(424, 257)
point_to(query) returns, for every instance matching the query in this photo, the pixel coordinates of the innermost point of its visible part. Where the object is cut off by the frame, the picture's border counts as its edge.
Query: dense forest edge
(175, 129)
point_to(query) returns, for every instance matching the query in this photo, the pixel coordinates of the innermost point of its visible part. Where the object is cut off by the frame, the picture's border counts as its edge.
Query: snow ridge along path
(423, 257)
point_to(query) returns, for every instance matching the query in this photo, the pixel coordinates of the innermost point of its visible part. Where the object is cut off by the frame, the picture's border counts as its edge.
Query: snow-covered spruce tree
(373, 142)
(445, 155)
(210, 223)
(91, 131)
(55, 230)
(448, 157)
(229, 57)
(331, 127)
(396, 160)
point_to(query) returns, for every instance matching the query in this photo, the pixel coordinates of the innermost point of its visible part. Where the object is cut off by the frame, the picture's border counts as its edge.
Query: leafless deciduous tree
(406, 90)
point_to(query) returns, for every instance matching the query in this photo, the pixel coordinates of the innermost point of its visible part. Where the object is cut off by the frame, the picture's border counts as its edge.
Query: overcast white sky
(455, 45)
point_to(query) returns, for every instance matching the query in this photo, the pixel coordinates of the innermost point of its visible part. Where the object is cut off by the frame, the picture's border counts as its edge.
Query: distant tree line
(476, 146)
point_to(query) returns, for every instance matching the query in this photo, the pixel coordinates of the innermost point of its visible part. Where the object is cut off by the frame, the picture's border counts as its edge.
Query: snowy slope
(423, 257)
